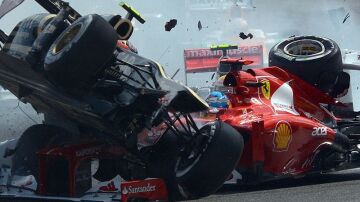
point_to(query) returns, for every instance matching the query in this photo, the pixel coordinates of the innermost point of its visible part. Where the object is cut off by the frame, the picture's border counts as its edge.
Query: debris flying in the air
(346, 17)
(170, 25)
(200, 25)
(243, 36)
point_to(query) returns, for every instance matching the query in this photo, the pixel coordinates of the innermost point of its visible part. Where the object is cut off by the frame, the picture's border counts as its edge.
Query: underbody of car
(103, 101)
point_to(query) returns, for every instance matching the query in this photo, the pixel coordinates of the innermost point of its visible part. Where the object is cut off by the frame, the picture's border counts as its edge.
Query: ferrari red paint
(282, 115)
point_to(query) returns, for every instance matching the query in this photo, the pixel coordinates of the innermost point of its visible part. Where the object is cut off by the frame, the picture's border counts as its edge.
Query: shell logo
(265, 89)
(282, 136)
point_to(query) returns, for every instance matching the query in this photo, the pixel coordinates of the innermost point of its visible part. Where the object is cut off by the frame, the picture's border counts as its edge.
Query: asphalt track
(332, 187)
(339, 186)
(15, 117)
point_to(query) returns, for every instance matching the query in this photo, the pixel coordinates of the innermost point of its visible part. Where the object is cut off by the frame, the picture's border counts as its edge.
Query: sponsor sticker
(265, 89)
(282, 136)
(141, 189)
(319, 132)
(150, 189)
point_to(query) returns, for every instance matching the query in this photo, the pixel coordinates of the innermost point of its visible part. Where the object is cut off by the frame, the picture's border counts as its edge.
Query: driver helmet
(217, 99)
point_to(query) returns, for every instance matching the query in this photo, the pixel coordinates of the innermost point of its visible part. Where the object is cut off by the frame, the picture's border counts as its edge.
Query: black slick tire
(81, 52)
(308, 57)
(213, 166)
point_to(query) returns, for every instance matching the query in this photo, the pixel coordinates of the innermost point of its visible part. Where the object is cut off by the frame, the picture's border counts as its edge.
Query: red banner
(203, 60)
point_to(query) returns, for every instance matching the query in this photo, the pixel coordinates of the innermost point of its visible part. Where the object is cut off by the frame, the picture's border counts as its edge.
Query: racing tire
(219, 155)
(35, 138)
(81, 52)
(307, 57)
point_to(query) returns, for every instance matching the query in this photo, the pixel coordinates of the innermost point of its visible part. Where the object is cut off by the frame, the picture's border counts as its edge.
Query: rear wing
(54, 6)
(5, 8)
(9, 5)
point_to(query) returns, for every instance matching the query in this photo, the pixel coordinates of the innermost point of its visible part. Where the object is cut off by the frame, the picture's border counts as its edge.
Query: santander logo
(141, 189)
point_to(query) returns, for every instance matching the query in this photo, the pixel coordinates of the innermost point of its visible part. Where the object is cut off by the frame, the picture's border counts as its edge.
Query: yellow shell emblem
(265, 89)
(282, 136)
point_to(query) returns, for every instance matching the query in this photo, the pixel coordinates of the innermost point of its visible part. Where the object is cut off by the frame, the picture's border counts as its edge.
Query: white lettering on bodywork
(283, 99)
(141, 189)
(319, 131)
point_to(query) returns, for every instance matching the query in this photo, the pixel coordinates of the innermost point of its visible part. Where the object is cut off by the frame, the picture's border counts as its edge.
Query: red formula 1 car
(285, 114)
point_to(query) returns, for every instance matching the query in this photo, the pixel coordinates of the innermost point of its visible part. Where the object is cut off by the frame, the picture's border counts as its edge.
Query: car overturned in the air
(103, 101)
